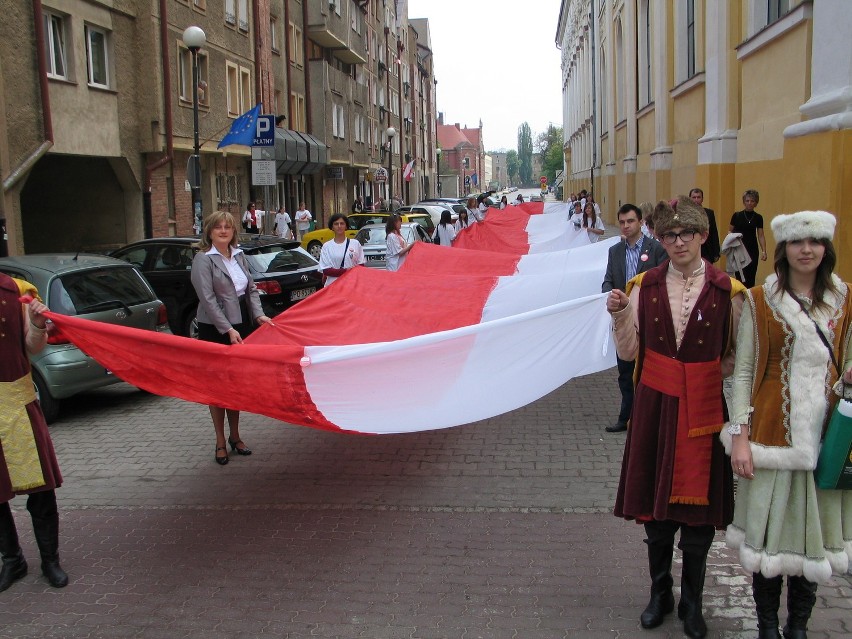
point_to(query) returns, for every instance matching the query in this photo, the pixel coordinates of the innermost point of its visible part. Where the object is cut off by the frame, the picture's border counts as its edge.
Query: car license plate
(375, 258)
(301, 294)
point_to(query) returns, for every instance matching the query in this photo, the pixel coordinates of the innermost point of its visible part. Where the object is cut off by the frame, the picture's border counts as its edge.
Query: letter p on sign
(264, 131)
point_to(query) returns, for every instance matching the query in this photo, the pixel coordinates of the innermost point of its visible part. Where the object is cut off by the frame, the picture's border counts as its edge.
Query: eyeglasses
(671, 238)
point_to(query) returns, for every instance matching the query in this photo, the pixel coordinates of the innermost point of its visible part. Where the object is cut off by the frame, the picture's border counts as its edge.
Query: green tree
(525, 151)
(549, 144)
(512, 166)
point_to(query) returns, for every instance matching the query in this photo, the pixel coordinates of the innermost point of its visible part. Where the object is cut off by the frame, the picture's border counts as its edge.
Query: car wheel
(190, 324)
(49, 405)
(315, 248)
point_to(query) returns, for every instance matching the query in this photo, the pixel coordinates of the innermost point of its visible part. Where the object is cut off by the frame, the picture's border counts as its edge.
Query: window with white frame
(97, 57)
(297, 47)
(230, 12)
(246, 101)
(298, 117)
(232, 84)
(335, 4)
(242, 14)
(184, 63)
(619, 71)
(776, 9)
(690, 38)
(338, 121)
(273, 34)
(644, 58)
(603, 84)
(356, 21)
(55, 30)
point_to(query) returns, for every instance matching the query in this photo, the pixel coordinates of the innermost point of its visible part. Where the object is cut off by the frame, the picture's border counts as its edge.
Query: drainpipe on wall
(47, 122)
(309, 118)
(258, 83)
(594, 108)
(47, 119)
(167, 108)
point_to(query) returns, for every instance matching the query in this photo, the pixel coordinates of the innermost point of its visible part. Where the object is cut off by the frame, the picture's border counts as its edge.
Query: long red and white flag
(477, 331)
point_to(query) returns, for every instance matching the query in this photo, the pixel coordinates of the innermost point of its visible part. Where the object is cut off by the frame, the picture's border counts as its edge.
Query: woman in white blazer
(228, 309)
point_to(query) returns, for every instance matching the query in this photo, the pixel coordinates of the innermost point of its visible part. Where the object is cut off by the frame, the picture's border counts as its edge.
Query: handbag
(342, 262)
(834, 466)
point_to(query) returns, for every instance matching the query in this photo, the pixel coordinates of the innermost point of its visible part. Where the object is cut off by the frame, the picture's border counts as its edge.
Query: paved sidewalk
(495, 529)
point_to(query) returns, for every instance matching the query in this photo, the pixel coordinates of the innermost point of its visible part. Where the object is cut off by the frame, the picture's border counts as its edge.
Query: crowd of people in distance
(681, 325)
(254, 221)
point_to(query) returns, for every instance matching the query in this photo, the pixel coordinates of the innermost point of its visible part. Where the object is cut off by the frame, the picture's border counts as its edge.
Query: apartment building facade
(97, 118)
(660, 97)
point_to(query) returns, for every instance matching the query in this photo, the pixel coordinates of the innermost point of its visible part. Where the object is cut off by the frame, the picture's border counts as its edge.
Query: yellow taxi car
(312, 242)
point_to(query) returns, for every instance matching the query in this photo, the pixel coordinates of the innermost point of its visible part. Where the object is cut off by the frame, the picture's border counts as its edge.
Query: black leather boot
(662, 599)
(14, 564)
(695, 543)
(767, 598)
(42, 507)
(801, 597)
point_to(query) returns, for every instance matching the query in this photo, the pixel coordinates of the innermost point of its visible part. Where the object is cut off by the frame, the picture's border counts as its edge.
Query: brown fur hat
(685, 214)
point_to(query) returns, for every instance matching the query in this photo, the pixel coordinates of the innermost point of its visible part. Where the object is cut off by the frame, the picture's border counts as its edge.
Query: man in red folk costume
(28, 464)
(678, 321)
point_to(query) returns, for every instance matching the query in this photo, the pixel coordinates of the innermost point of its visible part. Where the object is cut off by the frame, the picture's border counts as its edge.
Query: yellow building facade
(660, 96)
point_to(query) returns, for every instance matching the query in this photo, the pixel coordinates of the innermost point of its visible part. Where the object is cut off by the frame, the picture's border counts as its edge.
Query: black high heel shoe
(221, 460)
(238, 451)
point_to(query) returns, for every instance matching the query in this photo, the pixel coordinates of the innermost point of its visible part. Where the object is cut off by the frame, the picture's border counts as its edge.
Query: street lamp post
(438, 162)
(194, 38)
(391, 132)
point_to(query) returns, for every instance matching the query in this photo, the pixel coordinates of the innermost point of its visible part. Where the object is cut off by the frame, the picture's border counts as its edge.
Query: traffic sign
(543, 179)
(264, 131)
(467, 180)
(381, 175)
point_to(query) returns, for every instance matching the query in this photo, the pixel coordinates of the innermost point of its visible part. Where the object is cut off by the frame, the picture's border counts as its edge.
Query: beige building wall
(765, 105)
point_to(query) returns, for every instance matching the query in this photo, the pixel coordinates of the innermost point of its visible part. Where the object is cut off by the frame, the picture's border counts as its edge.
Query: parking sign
(264, 133)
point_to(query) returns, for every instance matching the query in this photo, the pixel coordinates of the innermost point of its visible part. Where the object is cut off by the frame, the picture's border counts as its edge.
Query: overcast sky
(495, 60)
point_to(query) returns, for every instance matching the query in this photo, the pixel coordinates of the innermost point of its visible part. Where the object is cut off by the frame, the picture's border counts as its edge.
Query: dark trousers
(625, 384)
(696, 539)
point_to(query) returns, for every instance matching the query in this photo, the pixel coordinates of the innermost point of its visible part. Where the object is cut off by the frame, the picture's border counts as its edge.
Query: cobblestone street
(495, 529)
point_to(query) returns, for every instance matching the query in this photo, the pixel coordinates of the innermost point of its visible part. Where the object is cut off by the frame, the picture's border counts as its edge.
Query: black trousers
(696, 539)
(625, 384)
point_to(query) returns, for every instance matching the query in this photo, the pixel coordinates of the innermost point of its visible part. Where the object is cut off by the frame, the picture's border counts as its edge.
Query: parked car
(313, 241)
(453, 204)
(92, 287)
(432, 209)
(373, 239)
(283, 272)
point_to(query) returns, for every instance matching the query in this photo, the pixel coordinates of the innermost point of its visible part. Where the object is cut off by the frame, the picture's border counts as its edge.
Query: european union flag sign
(242, 130)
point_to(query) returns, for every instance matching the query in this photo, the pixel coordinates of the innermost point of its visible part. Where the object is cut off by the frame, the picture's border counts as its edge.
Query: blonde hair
(210, 223)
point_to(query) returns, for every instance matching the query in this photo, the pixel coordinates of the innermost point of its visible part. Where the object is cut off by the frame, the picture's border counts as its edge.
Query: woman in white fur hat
(782, 398)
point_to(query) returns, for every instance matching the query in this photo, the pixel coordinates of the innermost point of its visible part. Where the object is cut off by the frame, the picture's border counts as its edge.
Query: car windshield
(423, 220)
(97, 290)
(274, 259)
(374, 236)
(358, 221)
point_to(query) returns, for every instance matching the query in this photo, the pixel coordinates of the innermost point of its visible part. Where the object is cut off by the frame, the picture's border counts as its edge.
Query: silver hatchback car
(373, 241)
(89, 286)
